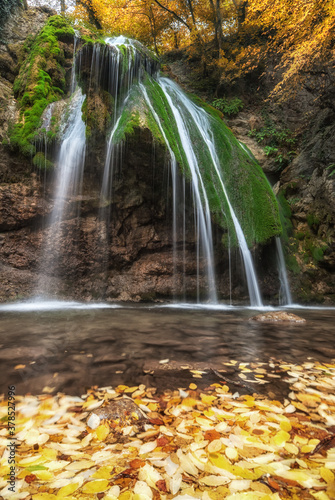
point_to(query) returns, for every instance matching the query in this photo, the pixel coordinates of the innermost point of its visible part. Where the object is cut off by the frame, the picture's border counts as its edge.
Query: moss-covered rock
(41, 80)
(97, 113)
(41, 162)
(249, 192)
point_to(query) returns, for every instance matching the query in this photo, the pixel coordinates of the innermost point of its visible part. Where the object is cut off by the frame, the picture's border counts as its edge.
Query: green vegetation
(303, 248)
(41, 162)
(313, 221)
(278, 142)
(331, 169)
(229, 107)
(249, 191)
(292, 264)
(130, 119)
(41, 80)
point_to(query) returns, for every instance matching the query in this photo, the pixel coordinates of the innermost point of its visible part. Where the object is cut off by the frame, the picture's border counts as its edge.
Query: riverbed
(69, 347)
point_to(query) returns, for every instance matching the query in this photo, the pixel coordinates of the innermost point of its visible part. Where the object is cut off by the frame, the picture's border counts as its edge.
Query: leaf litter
(132, 443)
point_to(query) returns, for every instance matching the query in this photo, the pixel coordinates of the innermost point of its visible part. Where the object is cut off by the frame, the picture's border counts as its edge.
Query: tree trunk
(153, 29)
(217, 21)
(219, 25)
(62, 7)
(241, 10)
(91, 14)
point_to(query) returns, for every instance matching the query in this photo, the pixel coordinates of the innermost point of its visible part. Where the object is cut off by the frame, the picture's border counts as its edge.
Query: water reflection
(74, 348)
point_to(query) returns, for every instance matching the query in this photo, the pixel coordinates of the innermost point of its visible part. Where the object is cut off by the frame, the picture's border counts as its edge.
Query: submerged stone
(123, 411)
(278, 316)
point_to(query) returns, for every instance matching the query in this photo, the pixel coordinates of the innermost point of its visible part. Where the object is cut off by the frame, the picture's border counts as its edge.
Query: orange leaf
(161, 485)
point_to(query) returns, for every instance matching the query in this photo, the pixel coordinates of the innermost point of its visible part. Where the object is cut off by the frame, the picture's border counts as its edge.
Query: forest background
(232, 38)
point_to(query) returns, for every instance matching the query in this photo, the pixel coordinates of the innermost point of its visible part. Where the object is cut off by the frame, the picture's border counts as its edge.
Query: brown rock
(124, 410)
(278, 316)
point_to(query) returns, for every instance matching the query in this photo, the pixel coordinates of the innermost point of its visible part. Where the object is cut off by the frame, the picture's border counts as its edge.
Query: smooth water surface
(80, 345)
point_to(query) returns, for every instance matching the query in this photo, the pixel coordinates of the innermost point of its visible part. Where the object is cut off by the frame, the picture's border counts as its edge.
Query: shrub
(229, 107)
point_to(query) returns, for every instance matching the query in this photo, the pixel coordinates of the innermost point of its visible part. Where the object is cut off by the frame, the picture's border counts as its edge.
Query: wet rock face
(127, 256)
(21, 24)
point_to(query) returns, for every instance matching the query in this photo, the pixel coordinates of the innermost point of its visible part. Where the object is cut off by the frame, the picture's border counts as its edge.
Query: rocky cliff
(138, 264)
(294, 142)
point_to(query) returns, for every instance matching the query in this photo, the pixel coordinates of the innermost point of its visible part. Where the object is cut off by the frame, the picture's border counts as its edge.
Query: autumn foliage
(240, 35)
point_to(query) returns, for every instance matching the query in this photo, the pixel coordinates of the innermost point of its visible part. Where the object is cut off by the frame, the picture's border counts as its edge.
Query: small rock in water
(124, 410)
(277, 316)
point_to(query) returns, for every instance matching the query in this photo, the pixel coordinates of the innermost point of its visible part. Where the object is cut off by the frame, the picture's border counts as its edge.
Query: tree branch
(174, 14)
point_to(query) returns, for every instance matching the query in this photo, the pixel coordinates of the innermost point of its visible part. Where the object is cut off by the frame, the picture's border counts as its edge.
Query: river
(70, 347)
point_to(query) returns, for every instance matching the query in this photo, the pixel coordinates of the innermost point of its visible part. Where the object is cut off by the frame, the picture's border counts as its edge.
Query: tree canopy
(241, 34)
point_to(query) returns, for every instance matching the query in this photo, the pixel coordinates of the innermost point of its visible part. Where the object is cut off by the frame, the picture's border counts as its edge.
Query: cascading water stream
(68, 180)
(285, 297)
(181, 107)
(201, 121)
(68, 184)
(124, 70)
(174, 166)
(203, 213)
(120, 81)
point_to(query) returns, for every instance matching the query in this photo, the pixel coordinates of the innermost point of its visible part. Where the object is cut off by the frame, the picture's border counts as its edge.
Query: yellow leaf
(307, 448)
(44, 496)
(291, 448)
(231, 453)
(285, 425)
(80, 465)
(207, 400)
(131, 389)
(96, 486)
(153, 406)
(44, 475)
(49, 454)
(67, 490)
(281, 437)
(189, 402)
(126, 495)
(103, 473)
(327, 475)
(102, 432)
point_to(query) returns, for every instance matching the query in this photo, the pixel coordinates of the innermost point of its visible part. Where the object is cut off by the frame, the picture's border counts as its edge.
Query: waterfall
(121, 80)
(198, 186)
(285, 297)
(67, 182)
(177, 101)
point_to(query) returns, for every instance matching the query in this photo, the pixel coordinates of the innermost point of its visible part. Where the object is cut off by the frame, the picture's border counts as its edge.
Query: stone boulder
(277, 317)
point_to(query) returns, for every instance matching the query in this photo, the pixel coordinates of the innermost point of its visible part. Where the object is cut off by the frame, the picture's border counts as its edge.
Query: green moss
(317, 253)
(292, 264)
(93, 39)
(41, 162)
(207, 107)
(41, 80)
(249, 191)
(130, 119)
